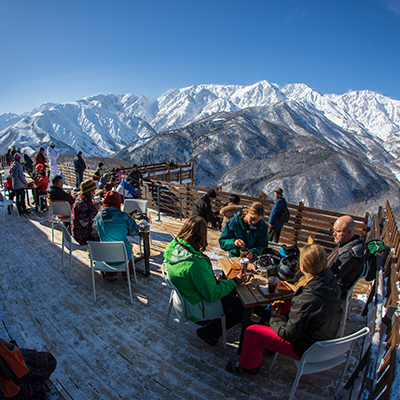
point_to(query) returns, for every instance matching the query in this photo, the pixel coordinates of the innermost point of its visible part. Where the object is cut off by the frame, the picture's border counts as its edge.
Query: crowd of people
(313, 314)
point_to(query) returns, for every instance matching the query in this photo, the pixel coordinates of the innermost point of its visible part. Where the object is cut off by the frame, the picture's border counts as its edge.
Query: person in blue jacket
(245, 229)
(129, 191)
(275, 226)
(114, 225)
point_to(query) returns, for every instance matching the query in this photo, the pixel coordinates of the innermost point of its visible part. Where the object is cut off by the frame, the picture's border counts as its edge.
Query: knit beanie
(17, 157)
(87, 186)
(39, 167)
(112, 199)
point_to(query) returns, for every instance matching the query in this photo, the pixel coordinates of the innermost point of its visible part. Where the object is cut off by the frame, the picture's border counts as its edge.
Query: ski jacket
(202, 208)
(79, 165)
(228, 212)
(276, 210)
(347, 262)
(191, 272)
(255, 236)
(315, 313)
(17, 175)
(56, 193)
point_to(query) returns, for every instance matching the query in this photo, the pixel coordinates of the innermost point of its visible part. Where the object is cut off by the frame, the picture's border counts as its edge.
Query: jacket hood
(110, 214)
(175, 253)
(324, 285)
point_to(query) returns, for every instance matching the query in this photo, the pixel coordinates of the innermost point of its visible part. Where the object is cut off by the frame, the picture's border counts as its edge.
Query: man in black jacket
(137, 178)
(348, 259)
(202, 207)
(56, 191)
(80, 166)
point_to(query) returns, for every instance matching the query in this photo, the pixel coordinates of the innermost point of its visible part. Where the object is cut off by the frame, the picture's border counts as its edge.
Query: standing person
(275, 226)
(114, 225)
(8, 157)
(40, 158)
(137, 178)
(84, 211)
(202, 208)
(52, 157)
(19, 182)
(347, 260)
(245, 229)
(205, 296)
(28, 163)
(314, 315)
(80, 166)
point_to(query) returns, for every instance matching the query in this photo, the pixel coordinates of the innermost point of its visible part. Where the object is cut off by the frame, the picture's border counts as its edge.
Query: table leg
(245, 324)
(146, 254)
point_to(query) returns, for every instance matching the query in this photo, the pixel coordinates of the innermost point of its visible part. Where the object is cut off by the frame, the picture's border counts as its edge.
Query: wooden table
(249, 294)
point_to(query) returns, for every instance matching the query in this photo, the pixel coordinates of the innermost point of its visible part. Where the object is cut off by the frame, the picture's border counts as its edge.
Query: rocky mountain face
(331, 151)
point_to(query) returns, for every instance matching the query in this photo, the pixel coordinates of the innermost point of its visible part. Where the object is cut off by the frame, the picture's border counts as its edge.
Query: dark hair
(41, 148)
(43, 173)
(134, 165)
(100, 164)
(194, 232)
(79, 152)
(55, 179)
(88, 199)
(211, 193)
(234, 198)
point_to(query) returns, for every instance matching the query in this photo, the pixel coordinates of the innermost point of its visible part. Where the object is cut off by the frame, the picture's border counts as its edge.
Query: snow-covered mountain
(247, 138)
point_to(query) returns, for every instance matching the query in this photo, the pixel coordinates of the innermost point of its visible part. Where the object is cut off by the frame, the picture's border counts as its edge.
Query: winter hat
(211, 193)
(17, 157)
(39, 167)
(112, 199)
(87, 186)
(279, 191)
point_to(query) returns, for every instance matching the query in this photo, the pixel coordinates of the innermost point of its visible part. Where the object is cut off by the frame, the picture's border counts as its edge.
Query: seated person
(42, 182)
(127, 190)
(103, 180)
(229, 209)
(110, 185)
(315, 315)
(190, 270)
(100, 171)
(8, 187)
(348, 259)
(245, 230)
(202, 208)
(56, 192)
(84, 211)
(114, 225)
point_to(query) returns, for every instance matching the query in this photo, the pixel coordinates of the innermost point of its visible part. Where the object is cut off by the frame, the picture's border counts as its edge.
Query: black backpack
(284, 216)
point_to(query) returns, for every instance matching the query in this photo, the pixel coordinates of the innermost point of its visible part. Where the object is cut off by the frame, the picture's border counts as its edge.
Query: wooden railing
(182, 173)
(380, 363)
(177, 200)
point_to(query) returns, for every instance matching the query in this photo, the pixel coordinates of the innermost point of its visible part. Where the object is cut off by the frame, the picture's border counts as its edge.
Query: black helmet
(288, 268)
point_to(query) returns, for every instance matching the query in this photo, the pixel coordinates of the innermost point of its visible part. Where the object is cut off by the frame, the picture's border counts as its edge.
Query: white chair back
(60, 208)
(135, 204)
(104, 253)
(325, 355)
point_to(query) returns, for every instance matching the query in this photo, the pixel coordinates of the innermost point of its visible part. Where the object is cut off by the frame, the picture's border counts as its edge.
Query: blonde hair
(313, 259)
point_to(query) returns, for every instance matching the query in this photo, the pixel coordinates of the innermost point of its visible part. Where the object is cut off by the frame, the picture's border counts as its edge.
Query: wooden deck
(114, 350)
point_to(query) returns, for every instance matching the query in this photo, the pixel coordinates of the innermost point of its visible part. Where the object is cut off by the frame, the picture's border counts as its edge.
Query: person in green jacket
(205, 296)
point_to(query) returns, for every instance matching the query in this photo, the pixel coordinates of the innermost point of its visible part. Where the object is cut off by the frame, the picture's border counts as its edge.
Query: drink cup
(272, 284)
(244, 262)
(243, 252)
(264, 273)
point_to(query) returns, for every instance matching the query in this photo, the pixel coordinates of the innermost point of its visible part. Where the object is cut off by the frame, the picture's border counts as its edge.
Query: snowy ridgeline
(249, 139)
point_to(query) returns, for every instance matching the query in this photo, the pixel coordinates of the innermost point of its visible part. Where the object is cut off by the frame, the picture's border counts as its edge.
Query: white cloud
(393, 6)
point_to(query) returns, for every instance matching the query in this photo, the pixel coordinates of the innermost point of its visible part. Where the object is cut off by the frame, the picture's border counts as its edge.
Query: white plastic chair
(346, 302)
(176, 300)
(5, 203)
(61, 208)
(135, 204)
(104, 253)
(71, 244)
(325, 355)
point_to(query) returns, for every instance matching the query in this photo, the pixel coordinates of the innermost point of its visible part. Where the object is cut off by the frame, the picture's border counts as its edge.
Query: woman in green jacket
(205, 296)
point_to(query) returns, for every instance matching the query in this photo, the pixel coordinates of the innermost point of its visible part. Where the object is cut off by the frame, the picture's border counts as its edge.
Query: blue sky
(61, 51)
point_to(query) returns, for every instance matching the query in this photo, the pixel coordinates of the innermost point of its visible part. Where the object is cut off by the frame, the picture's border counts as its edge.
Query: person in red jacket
(40, 158)
(41, 182)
